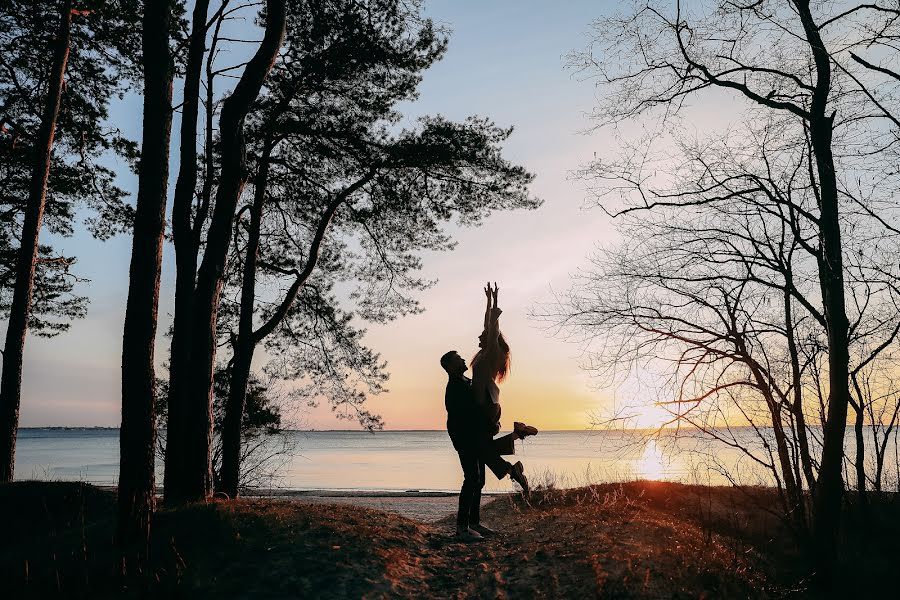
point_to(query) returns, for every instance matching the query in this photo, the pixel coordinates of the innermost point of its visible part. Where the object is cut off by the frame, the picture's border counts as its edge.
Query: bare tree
(707, 284)
(779, 59)
(715, 295)
(715, 286)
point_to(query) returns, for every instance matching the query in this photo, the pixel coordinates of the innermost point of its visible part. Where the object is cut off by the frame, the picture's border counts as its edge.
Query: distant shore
(680, 427)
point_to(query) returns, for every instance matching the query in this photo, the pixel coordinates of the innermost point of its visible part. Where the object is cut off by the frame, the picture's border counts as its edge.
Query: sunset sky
(506, 60)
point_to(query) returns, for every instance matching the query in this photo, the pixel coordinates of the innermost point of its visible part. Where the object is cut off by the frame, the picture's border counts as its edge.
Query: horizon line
(582, 430)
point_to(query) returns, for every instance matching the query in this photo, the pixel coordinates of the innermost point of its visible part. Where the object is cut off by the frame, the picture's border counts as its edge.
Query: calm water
(423, 460)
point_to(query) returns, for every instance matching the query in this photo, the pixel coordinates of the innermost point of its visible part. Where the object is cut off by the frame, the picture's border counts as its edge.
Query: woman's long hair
(499, 364)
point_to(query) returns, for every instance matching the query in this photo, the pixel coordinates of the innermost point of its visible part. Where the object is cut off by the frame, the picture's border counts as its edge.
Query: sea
(424, 461)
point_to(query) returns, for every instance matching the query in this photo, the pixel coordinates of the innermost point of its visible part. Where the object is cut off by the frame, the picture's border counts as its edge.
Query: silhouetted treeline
(295, 177)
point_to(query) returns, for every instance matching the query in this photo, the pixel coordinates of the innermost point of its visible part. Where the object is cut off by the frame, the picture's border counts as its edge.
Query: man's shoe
(517, 474)
(484, 531)
(468, 535)
(523, 431)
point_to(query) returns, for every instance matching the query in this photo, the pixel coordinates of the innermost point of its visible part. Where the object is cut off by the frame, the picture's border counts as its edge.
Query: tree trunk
(245, 343)
(879, 466)
(186, 250)
(137, 444)
(859, 409)
(797, 405)
(796, 509)
(20, 309)
(860, 463)
(830, 485)
(197, 481)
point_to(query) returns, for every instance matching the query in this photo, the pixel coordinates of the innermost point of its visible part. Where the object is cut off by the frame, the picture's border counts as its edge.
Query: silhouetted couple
(473, 419)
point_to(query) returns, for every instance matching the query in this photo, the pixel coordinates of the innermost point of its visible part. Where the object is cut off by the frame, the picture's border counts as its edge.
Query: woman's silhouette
(490, 366)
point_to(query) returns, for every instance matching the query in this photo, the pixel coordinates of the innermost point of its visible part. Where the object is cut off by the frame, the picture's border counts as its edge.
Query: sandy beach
(427, 507)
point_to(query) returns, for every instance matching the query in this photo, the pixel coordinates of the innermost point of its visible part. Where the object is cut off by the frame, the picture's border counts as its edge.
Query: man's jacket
(466, 423)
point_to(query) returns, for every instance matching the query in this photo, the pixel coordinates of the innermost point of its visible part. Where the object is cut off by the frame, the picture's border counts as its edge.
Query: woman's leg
(501, 468)
(505, 445)
(491, 457)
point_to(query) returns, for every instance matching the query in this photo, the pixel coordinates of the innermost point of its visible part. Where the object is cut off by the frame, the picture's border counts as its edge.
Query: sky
(506, 60)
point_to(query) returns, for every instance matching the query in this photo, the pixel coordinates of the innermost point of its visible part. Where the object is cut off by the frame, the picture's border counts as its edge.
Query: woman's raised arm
(487, 310)
(492, 322)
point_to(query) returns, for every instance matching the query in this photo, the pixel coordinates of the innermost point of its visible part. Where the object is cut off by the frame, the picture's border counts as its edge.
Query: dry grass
(609, 541)
(626, 540)
(63, 546)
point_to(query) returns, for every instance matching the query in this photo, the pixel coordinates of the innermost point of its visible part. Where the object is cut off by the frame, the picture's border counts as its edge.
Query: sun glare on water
(650, 465)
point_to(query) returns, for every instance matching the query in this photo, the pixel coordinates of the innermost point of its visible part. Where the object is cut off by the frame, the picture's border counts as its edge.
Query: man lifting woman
(473, 419)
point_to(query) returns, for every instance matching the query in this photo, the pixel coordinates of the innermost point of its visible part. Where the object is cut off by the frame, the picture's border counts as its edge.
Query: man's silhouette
(471, 432)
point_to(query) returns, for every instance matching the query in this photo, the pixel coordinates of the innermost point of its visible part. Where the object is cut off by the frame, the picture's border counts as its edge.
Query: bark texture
(138, 433)
(186, 250)
(196, 483)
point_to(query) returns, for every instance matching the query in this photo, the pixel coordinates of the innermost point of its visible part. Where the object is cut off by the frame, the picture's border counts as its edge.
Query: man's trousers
(473, 458)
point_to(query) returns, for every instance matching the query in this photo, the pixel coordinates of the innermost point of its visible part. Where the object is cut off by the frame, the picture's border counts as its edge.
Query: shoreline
(291, 493)
(425, 506)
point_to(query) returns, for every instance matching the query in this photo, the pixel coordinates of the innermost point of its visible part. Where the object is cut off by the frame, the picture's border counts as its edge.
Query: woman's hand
(495, 310)
(487, 293)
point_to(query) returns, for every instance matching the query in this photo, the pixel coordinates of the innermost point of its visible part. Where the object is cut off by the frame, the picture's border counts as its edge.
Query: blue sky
(506, 61)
